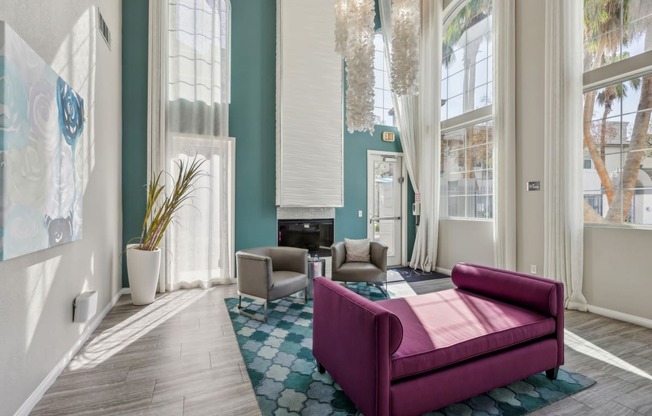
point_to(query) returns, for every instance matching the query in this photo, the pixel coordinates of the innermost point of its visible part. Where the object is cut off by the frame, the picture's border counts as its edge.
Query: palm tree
(603, 22)
(469, 15)
(602, 19)
(636, 151)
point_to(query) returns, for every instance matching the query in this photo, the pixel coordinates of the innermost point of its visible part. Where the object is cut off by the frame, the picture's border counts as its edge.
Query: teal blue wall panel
(252, 120)
(134, 120)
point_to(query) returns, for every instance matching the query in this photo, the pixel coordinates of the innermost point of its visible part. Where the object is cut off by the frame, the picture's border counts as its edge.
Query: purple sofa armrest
(543, 295)
(353, 339)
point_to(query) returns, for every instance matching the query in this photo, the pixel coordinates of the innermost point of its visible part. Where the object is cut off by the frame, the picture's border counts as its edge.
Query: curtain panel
(418, 119)
(187, 118)
(504, 107)
(563, 149)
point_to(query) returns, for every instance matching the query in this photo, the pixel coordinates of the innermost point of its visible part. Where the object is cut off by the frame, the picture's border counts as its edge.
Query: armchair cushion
(357, 250)
(286, 282)
(272, 272)
(359, 272)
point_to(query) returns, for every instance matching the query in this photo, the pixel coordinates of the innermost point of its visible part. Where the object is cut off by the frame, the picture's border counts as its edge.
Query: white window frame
(621, 71)
(384, 70)
(467, 119)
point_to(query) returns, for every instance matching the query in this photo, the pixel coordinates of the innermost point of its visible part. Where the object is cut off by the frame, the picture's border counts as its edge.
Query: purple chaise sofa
(417, 354)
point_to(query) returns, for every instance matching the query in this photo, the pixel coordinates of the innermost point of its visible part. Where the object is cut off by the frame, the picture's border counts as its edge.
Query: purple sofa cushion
(526, 290)
(444, 328)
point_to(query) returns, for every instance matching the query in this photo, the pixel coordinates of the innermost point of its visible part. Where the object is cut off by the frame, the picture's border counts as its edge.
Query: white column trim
(504, 225)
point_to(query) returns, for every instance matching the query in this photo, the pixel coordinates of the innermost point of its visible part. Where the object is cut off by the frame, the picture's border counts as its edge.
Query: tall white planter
(143, 268)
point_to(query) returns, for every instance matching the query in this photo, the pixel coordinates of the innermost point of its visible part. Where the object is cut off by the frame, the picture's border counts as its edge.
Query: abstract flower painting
(41, 163)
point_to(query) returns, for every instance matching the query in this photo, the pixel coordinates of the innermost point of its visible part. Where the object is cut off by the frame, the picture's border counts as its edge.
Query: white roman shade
(309, 147)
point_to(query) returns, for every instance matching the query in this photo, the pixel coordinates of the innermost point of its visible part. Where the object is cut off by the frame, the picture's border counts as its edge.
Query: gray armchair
(271, 273)
(373, 272)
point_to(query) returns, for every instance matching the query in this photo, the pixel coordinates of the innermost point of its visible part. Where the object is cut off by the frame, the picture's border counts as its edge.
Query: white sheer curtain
(188, 117)
(419, 126)
(504, 133)
(563, 205)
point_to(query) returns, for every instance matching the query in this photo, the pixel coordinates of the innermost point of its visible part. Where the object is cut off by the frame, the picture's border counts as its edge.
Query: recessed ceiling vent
(103, 28)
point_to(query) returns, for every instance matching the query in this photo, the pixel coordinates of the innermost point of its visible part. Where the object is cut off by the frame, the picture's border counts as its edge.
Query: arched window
(466, 111)
(383, 107)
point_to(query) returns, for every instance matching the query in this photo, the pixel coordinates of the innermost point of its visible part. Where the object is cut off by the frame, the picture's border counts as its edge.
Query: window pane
(481, 73)
(467, 172)
(383, 107)
(467, 75)
(455, 106)
(456, 84)
(615, 30)
(618, 153)
(481, 97)
(638, 30)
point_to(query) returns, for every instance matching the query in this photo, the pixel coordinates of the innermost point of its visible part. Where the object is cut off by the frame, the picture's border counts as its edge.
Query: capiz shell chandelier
(354, 40)
(354, 33)
(406, 20)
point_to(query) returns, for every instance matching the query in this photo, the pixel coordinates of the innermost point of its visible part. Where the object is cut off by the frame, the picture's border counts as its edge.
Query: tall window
(383, 107)
(617, 132)
(197, 113)
(466, 112)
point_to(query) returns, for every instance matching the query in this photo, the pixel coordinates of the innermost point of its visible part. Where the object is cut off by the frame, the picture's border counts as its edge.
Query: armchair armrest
(378, 254)
(289, 259)
(338, 255)
(254, 273)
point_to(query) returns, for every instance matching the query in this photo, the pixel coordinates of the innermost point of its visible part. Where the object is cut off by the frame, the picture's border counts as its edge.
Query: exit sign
(388, 136)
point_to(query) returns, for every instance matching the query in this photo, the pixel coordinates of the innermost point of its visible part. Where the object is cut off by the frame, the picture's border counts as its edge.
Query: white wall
(530, 42)
(36, 328)
(617, 272)
(467, 241)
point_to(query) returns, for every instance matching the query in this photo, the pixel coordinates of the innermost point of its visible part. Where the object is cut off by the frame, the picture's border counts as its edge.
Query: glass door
(385, 202)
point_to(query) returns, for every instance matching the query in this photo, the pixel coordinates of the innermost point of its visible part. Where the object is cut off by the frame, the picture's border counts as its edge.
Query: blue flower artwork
(41, 152)
(71, 112)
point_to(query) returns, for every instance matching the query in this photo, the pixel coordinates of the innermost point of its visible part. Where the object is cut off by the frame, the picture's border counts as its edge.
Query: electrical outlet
(360, 214)
(533, 268)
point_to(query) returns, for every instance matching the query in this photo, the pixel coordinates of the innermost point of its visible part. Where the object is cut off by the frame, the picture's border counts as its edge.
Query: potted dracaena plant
(144, 257)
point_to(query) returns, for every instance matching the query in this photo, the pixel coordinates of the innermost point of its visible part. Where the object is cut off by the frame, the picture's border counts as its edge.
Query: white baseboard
(621, 316)
(443, 271)
(37, 394)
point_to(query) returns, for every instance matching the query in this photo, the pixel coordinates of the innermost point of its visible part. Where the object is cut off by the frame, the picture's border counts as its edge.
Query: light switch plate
(534, 186)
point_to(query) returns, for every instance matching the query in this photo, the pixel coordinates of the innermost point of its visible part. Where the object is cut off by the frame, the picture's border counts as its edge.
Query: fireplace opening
(316, 235)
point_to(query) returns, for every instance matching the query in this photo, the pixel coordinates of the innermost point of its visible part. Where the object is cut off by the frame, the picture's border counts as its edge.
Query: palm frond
(161, 207)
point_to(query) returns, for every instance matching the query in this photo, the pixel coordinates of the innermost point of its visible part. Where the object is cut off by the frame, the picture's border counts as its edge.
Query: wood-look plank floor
(179, 356)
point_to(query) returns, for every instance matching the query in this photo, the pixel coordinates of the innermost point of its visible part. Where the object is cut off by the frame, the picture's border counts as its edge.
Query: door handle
(372, 219)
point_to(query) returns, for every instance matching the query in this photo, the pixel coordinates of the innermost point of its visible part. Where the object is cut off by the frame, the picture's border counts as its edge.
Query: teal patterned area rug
(278, 356)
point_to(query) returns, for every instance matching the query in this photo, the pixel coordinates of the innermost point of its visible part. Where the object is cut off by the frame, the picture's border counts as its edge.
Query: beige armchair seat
(373, 272)
(271, 273)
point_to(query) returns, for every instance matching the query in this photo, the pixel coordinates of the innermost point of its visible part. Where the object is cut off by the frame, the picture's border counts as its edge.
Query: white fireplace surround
(298, 213)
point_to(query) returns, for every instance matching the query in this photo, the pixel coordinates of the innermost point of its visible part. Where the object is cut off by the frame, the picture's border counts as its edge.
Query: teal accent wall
(252, 120)
(347, 222)
(134, 120)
